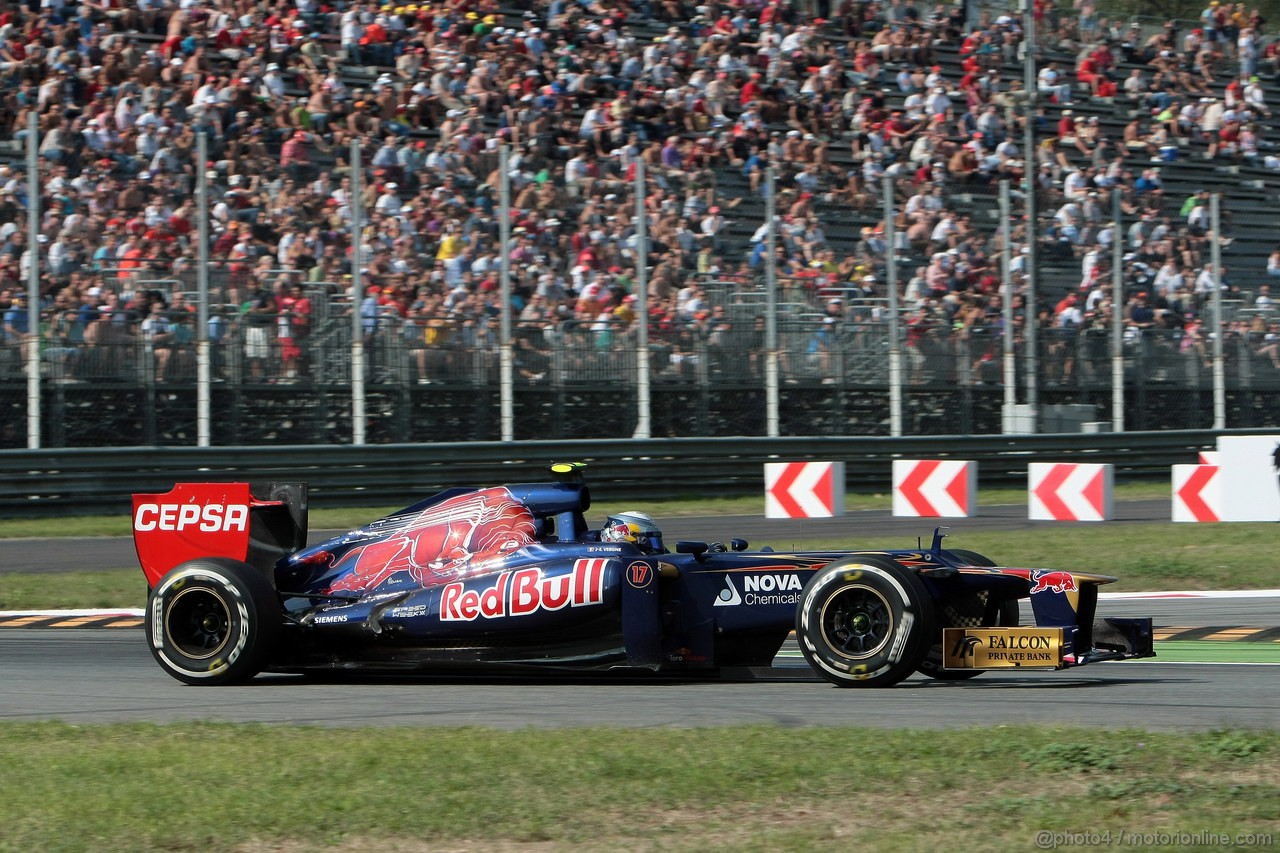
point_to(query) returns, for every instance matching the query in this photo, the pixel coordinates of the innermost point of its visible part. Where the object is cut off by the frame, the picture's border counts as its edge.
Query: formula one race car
(512, 577)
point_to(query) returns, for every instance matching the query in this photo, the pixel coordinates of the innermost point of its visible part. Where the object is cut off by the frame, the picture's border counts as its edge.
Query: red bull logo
(524, 592)
(1056, 581)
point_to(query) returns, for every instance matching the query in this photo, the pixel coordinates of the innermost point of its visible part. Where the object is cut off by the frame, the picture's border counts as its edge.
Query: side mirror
(738, 544)
(695, 548)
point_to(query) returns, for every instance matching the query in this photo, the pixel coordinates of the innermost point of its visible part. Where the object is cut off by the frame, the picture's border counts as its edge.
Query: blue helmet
(634, 527)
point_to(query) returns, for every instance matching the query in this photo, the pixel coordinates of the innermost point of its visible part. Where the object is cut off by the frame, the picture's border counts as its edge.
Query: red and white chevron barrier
(1197, 493)
(803, 489)
(1069, 491)
(935, 488)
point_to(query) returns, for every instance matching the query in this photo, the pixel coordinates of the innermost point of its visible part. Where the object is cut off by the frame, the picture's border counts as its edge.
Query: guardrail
(62, 481)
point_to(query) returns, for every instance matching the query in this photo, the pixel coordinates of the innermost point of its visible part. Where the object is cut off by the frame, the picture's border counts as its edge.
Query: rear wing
(253, 523)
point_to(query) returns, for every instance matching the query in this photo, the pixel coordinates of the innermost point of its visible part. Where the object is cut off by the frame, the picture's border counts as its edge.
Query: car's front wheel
(213, 621)
(864, 622)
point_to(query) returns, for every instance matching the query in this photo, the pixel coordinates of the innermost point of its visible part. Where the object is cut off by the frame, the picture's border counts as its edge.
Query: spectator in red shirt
(294, 156)
(1088, 73)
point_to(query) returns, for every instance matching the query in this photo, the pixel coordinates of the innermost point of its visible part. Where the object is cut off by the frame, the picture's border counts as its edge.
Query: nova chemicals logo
(761, 589)
(772, 589)
(728, 596)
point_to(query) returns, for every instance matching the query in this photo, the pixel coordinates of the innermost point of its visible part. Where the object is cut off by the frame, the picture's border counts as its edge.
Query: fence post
(891, 274)
(1219, 359)
(1010, 355)
(356, 159)
(1030, 170)
(771, 309)
(644, 404)
(203, 363)
(1117, 315)
(506, 387)
(33, 281)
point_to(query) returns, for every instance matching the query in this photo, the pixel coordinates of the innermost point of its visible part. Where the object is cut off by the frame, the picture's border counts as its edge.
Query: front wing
(1046, 647)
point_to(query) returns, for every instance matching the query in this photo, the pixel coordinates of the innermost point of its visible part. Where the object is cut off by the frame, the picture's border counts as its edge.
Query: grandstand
(432, 331)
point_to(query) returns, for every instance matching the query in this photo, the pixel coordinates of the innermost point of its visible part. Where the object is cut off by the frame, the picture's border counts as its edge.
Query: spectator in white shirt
(1255, 97)
(1205, 281)
(1051, 81)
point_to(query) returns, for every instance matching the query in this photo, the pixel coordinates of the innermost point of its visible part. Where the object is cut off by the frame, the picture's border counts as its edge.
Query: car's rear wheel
(864, 622)
(213, 621)
(972, 609)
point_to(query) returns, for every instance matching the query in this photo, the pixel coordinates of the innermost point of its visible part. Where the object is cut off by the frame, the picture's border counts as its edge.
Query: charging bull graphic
(466, 535)
(1056, 581)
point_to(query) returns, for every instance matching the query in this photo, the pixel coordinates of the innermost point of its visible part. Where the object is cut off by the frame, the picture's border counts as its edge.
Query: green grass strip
(1191, 651)
(1215, 651)
(212, 787)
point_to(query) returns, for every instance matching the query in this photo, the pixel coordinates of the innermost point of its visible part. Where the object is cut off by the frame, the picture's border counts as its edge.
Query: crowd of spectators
(580, 92)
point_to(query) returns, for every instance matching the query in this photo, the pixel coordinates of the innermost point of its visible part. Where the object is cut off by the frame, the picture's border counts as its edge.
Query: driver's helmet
(634, 527)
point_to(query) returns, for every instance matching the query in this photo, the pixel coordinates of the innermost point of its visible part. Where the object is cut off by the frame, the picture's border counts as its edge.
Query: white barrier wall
(1249, 481)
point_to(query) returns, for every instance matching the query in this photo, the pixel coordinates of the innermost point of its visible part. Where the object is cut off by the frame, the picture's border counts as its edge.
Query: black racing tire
(864, 622)
(951, 614)
(213, 621)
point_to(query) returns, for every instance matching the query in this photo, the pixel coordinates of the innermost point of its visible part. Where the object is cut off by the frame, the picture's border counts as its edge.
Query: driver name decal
(524, 592)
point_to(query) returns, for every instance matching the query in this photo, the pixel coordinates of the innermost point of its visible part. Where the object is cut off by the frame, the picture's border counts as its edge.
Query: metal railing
(119, 383)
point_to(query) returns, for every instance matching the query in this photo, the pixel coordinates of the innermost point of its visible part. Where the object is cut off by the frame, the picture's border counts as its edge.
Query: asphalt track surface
(100, 676)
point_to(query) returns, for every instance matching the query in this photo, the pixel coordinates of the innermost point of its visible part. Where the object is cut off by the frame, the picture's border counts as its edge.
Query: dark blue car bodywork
(513, 578)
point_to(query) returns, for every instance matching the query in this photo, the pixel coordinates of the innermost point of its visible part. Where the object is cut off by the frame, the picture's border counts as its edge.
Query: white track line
(1197, 593)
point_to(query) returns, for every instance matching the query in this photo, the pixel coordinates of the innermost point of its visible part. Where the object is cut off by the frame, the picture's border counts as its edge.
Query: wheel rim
(198, 623)
(857, 621)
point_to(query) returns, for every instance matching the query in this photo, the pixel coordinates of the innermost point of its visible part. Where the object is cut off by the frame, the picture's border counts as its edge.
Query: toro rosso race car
(513, 578)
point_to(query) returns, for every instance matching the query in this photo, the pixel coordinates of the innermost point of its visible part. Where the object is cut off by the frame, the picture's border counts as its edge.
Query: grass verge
(214, 787)
(1216, 651)
(1143, 556)
(72, 590)
(347, 518)
(1181, 651)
